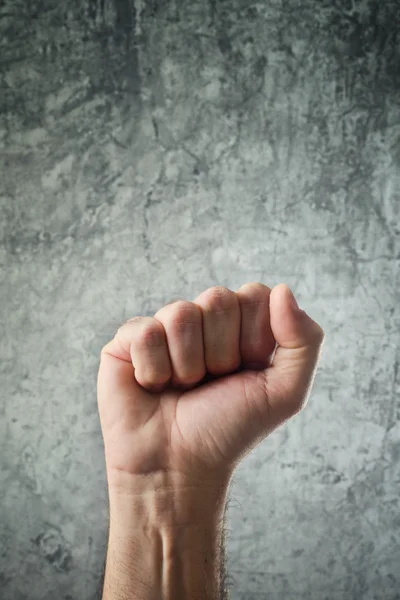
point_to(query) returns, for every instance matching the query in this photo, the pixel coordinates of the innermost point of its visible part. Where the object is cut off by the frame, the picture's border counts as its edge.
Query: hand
(180, 394)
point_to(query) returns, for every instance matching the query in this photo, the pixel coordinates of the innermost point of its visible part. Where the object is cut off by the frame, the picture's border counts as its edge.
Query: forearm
(166, 545)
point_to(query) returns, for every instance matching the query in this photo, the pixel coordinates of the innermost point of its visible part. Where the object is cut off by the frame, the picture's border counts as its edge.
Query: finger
(115, 381)
(289, 380)
(146, 340)
(221, 329)
(257, 342)
(182, 323)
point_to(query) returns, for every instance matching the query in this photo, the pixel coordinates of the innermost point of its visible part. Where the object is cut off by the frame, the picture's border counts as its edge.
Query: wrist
(163, 499)
(165, 540)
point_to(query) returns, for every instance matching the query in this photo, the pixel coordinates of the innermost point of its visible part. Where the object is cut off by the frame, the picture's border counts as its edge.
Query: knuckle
(219, 298)
(185, 314)
(174, 301)
(127, 325)
(151, 335)
(184, 309)
(180, 316)
(256, 287)
(253, 295)
(136, 319)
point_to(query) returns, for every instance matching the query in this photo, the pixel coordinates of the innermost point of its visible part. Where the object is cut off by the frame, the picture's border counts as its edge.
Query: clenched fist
(189, 392)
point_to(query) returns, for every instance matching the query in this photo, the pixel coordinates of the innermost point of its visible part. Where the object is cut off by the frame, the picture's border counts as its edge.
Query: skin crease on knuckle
(220, 299)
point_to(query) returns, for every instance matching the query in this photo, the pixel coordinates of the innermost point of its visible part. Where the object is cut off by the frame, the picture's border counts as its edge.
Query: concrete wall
(149, 151)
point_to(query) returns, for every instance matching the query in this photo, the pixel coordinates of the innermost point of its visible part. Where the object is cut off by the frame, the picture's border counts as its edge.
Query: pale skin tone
(183, 397)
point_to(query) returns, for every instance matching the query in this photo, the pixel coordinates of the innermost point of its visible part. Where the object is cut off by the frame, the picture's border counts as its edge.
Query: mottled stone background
(150, 150)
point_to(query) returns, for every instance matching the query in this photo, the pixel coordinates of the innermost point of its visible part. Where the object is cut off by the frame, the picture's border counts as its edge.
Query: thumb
(289, 380)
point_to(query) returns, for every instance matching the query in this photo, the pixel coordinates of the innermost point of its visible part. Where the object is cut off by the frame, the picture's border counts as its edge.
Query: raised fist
(186, 394)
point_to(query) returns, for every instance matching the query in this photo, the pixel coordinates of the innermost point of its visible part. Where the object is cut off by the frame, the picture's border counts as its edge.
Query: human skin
(183, 397)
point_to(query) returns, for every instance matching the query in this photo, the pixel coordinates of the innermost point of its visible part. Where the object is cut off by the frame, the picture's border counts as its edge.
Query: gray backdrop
(151, 150)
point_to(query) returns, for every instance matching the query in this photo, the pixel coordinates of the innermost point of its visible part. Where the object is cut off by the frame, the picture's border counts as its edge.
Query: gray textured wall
(150, 150)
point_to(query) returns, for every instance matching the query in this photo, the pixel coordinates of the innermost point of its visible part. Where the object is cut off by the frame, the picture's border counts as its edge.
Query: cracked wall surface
(149, 151)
